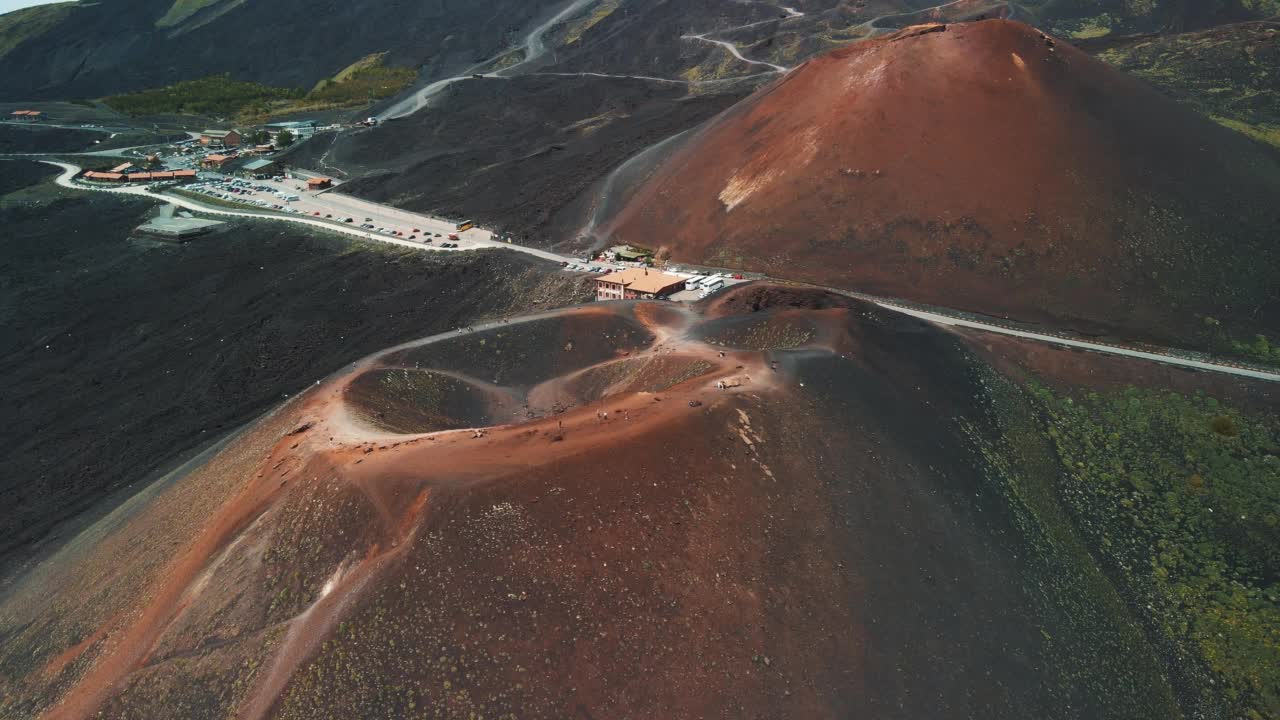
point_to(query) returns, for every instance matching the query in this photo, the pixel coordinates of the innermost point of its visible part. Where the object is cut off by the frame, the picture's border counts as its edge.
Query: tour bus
(466, 225)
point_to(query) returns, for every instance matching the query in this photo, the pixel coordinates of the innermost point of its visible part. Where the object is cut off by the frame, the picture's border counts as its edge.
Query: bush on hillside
(214, 95)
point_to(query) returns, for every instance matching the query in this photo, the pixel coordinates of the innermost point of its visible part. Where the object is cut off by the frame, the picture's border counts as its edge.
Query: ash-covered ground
(781, 502)
(119, 356)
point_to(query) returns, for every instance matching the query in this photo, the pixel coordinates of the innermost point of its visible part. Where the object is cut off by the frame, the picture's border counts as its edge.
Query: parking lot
(291, 196)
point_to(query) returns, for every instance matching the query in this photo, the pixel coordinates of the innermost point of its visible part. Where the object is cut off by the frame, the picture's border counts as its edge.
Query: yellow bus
(465, 226)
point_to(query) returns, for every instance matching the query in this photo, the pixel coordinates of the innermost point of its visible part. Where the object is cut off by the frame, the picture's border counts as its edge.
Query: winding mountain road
(733, 50)
(533, 48)
(792, 13)
(939, 316)
(1210, 366)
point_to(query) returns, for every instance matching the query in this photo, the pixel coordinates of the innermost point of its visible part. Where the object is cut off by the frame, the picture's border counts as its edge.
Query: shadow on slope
(842, 536)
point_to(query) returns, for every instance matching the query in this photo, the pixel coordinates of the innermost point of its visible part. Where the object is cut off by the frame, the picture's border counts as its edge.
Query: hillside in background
(93, 49)
(532, 154)
(1058, 190)
(1230, 73)
(517, 155)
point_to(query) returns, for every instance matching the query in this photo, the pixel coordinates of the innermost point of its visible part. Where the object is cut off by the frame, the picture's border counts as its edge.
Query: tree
(284, 139)
(260, 137)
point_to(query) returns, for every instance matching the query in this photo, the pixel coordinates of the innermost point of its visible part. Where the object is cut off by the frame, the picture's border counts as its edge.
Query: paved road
(938, 315)
(533, 47)
(792, 14)
(42, 123)
(1219, 367)
(471, 240)
(733, 50)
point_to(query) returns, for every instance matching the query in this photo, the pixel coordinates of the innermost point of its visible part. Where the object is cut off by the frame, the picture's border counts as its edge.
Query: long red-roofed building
(636, 284)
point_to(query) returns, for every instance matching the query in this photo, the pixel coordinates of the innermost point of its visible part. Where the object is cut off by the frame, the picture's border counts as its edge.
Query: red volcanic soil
(984, 167)
(772, 506)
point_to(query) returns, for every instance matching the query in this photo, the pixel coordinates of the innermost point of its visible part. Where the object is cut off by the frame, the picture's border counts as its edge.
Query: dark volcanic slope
(88, 49)
(118, 356)
(513, 154)
(36, 139)
(869, 530)
(1090, 18)
(1228, 73)
(984, 167)
(19, 174)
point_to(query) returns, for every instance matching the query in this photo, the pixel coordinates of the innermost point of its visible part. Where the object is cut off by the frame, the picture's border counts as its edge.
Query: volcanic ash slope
(777, 504)
(984, 167)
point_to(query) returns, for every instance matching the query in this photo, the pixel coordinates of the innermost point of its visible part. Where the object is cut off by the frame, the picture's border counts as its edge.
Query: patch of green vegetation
(219, 95)
(1114, 667)
(1093, 27)
(716, 66)
(358, 86)
(1180, 497)
(603, 10)
(1226, 73)
(1267, 133)
(22, 25)
(1260, 350)
(515, 57)
(1223, 343)
(364, 63)
(214, 95)
(1267, 8)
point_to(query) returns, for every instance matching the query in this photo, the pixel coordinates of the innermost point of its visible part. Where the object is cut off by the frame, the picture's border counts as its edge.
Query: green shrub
(214, 95)
(1181, 497)
(366, 84)
(1260, 350)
